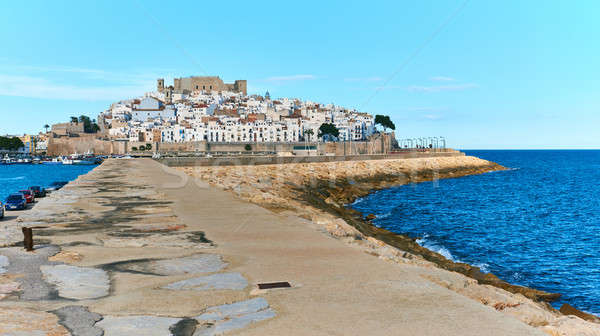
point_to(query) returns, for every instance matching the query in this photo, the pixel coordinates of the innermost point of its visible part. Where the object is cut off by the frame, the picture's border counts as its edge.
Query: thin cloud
(442, 79)
(39, 87)
(129, 76)
(441, 88)
(423, 109)
(432, 117)
(363, 79)
(290, 78)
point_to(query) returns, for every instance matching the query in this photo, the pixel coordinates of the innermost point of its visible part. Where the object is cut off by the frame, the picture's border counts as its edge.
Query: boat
(8, 160)
(54, 161)
(67, 161)
(83, 162)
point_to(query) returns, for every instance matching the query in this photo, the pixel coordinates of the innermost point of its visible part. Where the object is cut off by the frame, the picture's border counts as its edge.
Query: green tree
(11, 144)
(330, 129)
(148, 146)
(74, 120)
(134, 149)
(248, 147)
(89, 126)
(385, 122)
(142, 148)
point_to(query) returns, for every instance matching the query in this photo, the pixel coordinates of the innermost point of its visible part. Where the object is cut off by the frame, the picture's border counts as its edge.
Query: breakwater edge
(321, 193)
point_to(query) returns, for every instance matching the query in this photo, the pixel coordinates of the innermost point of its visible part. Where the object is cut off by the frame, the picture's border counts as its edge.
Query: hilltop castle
(200, 83)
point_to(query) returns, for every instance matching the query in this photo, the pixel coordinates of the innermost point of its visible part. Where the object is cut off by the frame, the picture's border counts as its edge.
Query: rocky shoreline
(335, 198)
(321, 193)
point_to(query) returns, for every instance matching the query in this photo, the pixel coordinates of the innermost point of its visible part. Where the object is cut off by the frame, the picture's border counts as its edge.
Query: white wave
(12, 178)
(385, 215)
(485, 268)
(358, 200)
(432, 246)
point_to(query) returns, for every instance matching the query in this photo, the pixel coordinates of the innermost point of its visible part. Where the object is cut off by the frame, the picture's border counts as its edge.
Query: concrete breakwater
(271, 160)
(320, 191)
(137, 248)
(112, 257)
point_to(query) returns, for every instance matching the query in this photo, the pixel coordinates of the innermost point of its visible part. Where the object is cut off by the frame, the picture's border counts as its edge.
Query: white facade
(230, 117)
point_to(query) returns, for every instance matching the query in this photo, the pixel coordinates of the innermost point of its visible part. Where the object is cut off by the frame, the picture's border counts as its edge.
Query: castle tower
(267, 96)
(160, 84)
(169, 95)
(241, 86)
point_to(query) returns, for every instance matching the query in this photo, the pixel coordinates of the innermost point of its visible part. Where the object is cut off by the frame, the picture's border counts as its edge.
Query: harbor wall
(377, 144)
(83, 144)
(266, 160)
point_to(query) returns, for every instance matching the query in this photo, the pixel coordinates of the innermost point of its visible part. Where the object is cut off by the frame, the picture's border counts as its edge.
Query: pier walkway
(137, 248)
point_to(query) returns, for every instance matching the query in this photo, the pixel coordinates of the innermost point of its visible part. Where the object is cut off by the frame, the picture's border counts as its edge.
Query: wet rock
(567, 309)
(137, 325)
(78, 283)
(225, 318)
(79, 321)
(370, 217)
(231, 281)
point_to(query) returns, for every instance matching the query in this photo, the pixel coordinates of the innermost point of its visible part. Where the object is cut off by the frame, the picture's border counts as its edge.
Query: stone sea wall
(319, 192)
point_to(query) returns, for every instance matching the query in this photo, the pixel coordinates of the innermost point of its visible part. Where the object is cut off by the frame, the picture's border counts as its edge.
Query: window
(197, 87)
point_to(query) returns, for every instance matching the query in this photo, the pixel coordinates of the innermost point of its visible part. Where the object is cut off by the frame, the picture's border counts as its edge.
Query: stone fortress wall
(203, 83)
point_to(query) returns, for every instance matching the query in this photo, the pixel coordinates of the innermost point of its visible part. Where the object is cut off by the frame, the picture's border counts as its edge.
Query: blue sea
(22, 176)
(537, 224)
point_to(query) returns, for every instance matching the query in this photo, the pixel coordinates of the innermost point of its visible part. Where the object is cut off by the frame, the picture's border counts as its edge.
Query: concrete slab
(222, 319)
(3, 264)
(137, 325)
(197, 263)
(232, 281)
(78, 283)
(222, 312)
(27, 266)
(79, 321)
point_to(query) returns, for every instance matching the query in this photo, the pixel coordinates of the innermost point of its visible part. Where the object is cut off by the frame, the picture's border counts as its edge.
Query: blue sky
(484, 74)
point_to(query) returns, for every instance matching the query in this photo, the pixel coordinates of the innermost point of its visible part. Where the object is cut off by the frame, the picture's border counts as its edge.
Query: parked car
(29, 196)
(56, 186)
(16, 202)
(1, 210)
(38, 191)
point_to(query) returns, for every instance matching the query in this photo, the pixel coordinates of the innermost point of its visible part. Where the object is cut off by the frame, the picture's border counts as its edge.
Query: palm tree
(46, 127)
(308, 133)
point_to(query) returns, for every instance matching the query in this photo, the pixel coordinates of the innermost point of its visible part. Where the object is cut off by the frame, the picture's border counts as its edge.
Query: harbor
(73, 159)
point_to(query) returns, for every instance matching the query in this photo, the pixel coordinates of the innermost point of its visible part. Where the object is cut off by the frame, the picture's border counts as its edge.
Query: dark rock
(567, 309)
(185, 327)
(370, 217)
